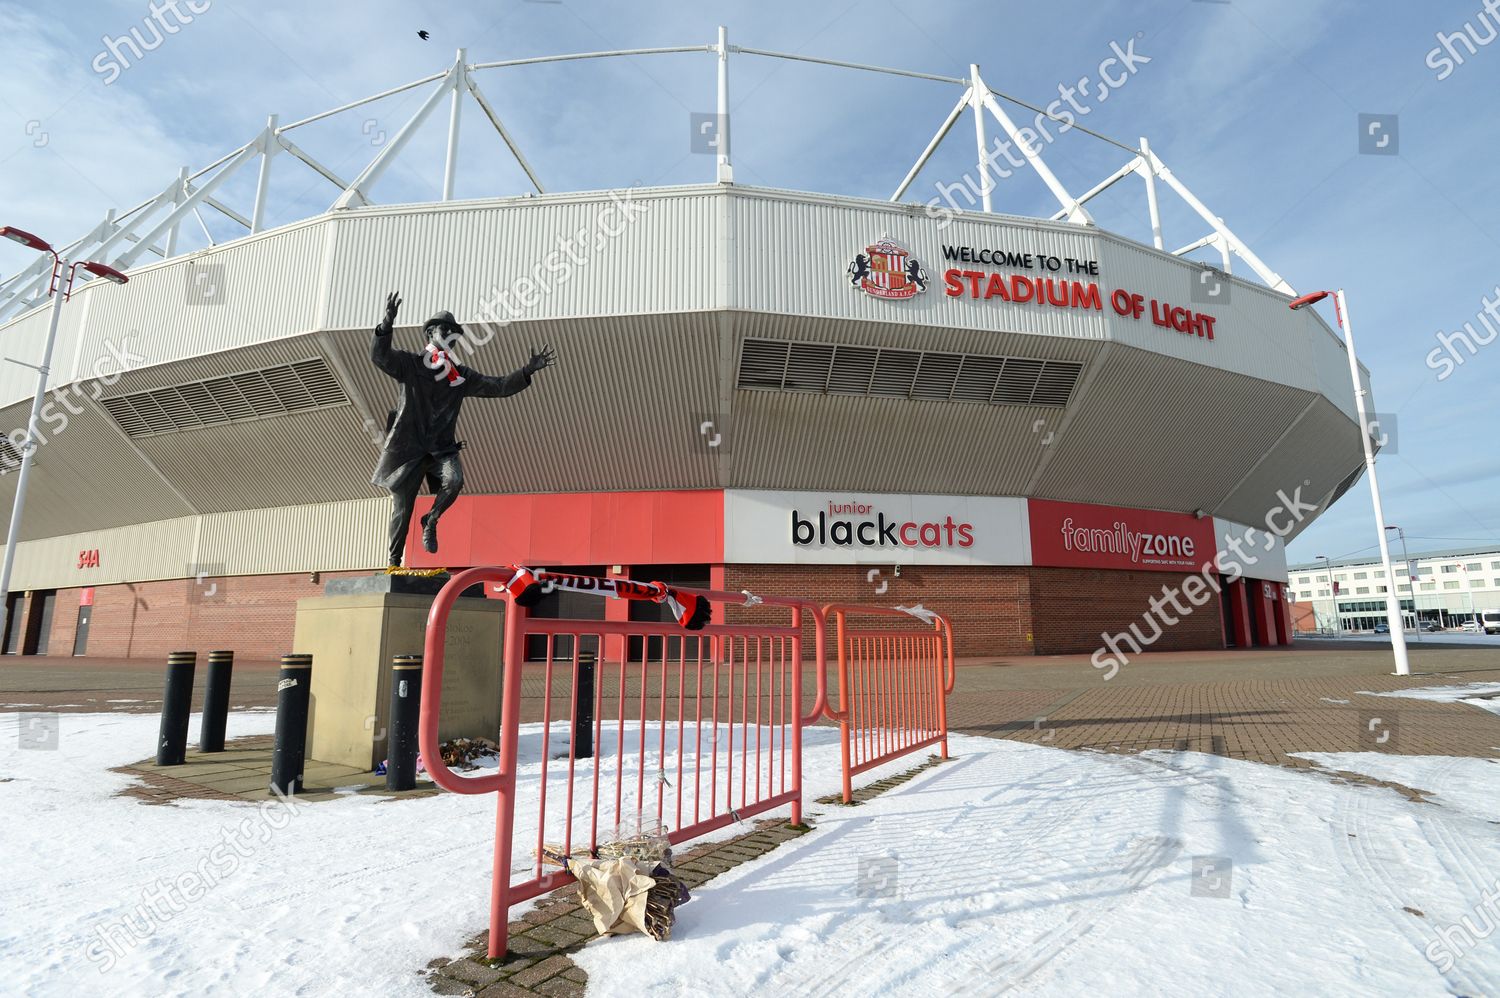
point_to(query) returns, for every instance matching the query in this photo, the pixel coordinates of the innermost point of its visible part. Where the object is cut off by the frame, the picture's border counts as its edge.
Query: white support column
(192, 201)
(357, 194)
(1225, 255)
(725, 172)
(937, 139)
(1273, 279)
(450, 166)
(510, 142)
(1077, 214)
(268, 148)
(1148, 173)
(177, 198)
(976, 101)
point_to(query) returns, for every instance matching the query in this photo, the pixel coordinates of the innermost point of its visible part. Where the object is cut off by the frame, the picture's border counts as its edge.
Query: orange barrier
(704, 729)
(893, 685)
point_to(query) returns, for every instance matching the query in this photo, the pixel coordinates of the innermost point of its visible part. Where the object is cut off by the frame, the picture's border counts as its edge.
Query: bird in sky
(422, 35)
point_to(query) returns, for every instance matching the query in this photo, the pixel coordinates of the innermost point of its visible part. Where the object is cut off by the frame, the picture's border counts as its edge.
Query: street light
(1392, 601)
(58, 289)
(1333, 588)
(1411, 585)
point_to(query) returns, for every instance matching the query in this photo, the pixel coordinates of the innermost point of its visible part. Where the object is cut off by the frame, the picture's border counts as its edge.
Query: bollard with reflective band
(583, 718)
(177, 704)
(406, 704)
(291, 723)
(216, 701)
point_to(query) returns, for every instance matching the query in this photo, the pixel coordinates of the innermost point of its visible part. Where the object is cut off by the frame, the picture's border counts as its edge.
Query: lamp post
(1411, 586)
(58, 290)
(1333, 589)
(1392, 601)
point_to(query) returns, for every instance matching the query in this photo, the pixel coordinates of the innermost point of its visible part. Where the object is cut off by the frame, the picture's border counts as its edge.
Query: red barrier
(893, 686)
(732, 751)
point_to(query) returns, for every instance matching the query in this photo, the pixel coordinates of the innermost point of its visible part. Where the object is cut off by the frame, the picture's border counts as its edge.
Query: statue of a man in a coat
(420, 443)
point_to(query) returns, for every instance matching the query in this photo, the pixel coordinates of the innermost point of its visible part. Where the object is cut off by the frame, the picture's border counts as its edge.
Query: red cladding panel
(1076, 535)
(599, 528)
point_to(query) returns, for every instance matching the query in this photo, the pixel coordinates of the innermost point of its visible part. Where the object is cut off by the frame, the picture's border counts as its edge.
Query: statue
(419, 440)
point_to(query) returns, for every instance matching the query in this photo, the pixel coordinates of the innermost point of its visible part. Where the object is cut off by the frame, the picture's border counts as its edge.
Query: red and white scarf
(442, 360)
(527, 586)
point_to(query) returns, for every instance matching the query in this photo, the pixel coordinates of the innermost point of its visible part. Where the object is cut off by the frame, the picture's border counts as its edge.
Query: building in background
(1444, 588)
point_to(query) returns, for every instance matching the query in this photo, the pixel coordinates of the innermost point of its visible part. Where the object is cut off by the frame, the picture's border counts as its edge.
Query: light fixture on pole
(1392, 601)
(1411, 584)
(58, 289)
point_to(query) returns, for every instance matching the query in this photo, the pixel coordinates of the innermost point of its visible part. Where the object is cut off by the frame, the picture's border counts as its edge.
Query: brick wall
(254, 615)
(988, 606)
(994, 610)
(1072, 606)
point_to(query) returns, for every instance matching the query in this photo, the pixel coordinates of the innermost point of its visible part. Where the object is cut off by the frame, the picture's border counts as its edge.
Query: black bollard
(291, 723)
(406, 704)
(177, 704)
(583, 722)
(216, 701)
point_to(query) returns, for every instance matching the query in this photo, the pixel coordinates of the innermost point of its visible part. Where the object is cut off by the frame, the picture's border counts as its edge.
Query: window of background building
(1428, 587)
(1476, 583)
(1474, 566)
(1450, 585)
(1323, 593)
(1381, 589)
(1495, 565)
(1305, 594)
(1361, 575)
(1450, 569)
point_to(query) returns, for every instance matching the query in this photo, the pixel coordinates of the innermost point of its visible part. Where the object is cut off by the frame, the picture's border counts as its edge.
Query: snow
(1485, 696)
(1047, 872)
(1015, 865)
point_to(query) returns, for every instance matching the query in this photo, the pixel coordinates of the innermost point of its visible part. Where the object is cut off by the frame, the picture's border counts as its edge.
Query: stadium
(1031, 424)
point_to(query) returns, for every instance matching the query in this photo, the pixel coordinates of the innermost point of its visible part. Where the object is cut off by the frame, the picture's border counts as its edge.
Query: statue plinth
(355, 629)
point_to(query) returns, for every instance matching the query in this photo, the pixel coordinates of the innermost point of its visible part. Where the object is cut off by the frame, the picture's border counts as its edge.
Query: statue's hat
(441, 319)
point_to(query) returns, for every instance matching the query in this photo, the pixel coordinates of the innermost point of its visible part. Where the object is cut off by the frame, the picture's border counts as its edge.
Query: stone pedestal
(356, 628)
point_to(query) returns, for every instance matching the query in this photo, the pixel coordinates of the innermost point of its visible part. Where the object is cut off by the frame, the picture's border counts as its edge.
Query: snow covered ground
(1485, 696)
(1013, 866)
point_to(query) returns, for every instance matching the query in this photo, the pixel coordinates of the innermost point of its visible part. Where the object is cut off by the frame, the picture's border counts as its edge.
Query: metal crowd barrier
(894, 682)
(703, 730)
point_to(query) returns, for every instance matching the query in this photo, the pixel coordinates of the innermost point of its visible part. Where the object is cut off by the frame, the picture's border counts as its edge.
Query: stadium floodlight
(58, 289)
(1392, 598)
(105, 271)
(25, 238)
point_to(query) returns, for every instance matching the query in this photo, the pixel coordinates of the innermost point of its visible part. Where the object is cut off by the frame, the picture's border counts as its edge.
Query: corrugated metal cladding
(256, 289)
(86, 472)
(146, 551)
(454, 256)
(622, 409)
(1307, 458)
(326, 537)
(1256, 334)
(649, 333)
(1167, 434)
(843, 441)
(791, 252)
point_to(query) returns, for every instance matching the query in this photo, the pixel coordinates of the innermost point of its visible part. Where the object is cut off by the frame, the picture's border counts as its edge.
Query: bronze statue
(419, 440)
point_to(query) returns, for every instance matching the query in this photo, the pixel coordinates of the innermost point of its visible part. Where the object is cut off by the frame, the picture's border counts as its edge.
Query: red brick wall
(1071, 607)
(252, 615)
(994, 610)
(988, 606)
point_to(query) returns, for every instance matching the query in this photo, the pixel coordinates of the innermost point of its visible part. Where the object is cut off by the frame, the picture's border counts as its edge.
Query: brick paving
(1257, 705)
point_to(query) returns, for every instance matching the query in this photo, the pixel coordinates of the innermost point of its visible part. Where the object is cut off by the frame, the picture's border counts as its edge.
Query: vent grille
(275, 391)
(827, 369)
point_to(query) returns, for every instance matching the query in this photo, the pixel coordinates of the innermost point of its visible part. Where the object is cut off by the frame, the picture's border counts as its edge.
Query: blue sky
(1254, 103)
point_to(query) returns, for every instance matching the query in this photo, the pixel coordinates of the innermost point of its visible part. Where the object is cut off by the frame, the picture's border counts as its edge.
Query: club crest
(886, 270)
